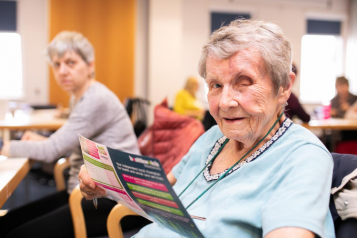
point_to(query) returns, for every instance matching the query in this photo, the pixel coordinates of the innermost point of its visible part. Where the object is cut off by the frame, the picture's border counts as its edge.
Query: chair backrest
(113, 222)
(137, 111)
(347, 147)
(60, 166)
(344, 164)
(170, 137)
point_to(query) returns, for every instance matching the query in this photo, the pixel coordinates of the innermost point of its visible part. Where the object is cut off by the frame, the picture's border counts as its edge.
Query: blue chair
(344, 164)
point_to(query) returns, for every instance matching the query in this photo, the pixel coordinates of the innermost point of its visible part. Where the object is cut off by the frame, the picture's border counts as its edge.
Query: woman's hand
(291, 232)
(333, 112)
(171, 178)
(31, 136)
(87, 186)
(5, 149)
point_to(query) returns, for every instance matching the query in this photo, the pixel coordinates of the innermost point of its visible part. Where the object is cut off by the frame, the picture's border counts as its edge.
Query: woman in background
(341, 103)
(96, 114)
(186, 103)
(343, 100)
(294, 107)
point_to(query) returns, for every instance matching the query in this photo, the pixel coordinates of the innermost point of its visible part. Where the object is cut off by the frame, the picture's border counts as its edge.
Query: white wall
(141, 49)
(178, 29)
(33, 27)
(351, 69)
(165, 50)
(290, 15)
(169, 37)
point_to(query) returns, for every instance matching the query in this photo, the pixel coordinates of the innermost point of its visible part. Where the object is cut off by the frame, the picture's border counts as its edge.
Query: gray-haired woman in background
(96, 114)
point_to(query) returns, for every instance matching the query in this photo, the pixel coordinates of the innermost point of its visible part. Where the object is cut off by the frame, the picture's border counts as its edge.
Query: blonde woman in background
(186, 103)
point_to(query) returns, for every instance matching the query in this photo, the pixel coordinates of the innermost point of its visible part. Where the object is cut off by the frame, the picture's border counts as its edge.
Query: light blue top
(285, 184)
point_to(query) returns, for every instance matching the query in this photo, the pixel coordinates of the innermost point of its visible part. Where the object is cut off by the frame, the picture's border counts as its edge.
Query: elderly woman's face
(241, 95)
(71, 71)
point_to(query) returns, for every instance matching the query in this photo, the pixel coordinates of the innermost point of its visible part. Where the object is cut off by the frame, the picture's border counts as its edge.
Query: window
(321, 63)
(8, 15)
(221, 18)
(10, 66)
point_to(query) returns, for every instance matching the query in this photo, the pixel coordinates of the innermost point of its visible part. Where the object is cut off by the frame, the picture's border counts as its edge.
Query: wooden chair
(75, 205)
(75, 199)
(113, 222)
(60, 166)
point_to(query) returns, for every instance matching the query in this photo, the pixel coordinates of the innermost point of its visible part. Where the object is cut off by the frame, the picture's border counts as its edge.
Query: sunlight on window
(321, 63)
(10, 66)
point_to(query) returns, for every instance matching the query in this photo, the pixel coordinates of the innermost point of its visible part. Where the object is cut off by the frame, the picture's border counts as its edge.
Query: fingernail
(92, 186)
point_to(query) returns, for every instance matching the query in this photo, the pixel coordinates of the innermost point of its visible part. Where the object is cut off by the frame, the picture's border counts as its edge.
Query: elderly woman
(97, 114)
(258, 174)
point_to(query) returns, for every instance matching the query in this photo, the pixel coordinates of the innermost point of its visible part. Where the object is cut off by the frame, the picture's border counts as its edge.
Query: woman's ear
(284, 93)
(91, 69)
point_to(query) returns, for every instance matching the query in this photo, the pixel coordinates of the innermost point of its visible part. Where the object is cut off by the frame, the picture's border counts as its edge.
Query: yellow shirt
(186, 102)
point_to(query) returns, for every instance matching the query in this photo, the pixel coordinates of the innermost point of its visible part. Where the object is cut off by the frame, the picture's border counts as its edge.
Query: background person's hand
(333, 112)
(344, 106)
(31, 136)
(87, 186)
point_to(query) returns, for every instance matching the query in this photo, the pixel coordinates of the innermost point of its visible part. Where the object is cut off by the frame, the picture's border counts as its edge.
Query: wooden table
(12, 171)
(332, 124)
(38, 119)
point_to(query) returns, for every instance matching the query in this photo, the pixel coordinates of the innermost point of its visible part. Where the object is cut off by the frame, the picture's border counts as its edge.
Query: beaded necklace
(223, 175)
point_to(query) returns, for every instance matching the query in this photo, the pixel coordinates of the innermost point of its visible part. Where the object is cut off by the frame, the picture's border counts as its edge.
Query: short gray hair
(70, 40)
(267, 38)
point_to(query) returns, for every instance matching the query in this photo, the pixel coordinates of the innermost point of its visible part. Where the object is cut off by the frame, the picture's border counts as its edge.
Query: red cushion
(347, 147)
(170, 137)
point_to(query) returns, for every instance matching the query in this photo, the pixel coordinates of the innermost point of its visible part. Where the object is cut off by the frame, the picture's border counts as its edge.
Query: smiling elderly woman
(271, 177)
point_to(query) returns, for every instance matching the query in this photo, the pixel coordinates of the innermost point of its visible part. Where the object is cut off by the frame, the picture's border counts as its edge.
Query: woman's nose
(228, 100)
(62, 69)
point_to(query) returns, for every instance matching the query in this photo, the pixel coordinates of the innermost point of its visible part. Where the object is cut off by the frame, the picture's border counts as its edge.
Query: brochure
(139, 183)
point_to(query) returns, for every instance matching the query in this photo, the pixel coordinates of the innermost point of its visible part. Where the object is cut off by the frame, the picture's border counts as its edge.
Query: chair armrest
(75, 205)
(60, 166)
(113, 222)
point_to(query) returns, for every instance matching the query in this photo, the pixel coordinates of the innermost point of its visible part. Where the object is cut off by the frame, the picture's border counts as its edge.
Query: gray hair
(70, 40)
(267, 38)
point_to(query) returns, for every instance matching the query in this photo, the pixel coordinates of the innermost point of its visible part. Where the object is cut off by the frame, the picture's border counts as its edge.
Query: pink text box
(144, 182)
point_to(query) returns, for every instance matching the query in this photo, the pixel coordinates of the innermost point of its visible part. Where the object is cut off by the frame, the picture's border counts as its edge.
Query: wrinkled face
(241, 96)
(71, 72)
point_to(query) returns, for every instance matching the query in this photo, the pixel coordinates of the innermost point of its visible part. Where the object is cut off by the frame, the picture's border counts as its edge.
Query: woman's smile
(233, 119)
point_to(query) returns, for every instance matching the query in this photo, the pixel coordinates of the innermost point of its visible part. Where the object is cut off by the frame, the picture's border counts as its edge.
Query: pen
(95, 202)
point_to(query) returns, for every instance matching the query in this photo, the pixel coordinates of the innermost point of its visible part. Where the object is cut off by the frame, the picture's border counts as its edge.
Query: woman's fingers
(84, 178)
(89, 196)
(26, 135)
(87, 186)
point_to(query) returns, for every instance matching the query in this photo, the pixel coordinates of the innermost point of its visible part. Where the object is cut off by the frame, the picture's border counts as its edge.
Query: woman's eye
(216, 85)
(71, 63)
(245, 82)
(56, 65)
